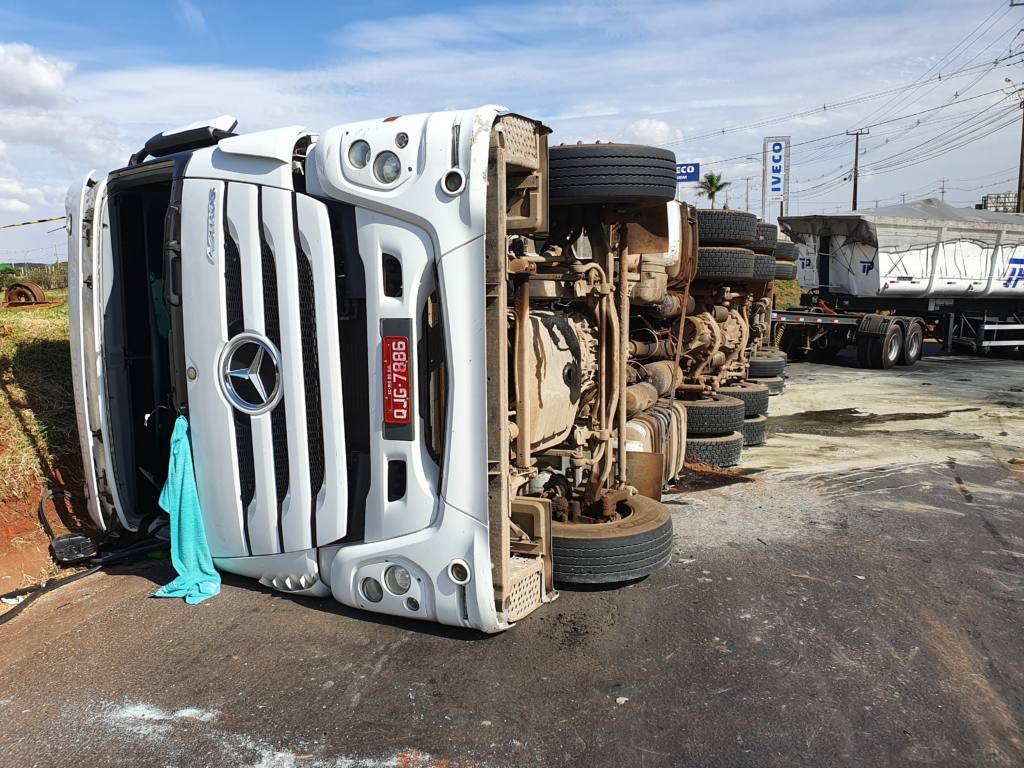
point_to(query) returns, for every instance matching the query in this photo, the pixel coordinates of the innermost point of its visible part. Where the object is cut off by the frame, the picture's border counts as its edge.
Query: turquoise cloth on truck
(197, 578)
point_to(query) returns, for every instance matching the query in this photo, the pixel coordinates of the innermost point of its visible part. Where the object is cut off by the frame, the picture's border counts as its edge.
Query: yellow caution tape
(37, 221)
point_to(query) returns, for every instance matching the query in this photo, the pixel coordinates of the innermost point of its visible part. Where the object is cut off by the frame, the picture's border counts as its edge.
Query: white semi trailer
(884, 278)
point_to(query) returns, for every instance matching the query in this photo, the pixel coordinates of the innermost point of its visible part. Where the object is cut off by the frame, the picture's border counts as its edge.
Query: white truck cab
(316, 306)
(410, 381)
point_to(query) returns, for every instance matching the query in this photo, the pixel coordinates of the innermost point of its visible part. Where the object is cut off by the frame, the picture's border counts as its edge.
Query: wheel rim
(893, 347)
(913, 346)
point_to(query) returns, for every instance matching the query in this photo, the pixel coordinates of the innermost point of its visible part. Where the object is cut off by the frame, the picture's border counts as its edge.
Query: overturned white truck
(884, 278)
(429, 365)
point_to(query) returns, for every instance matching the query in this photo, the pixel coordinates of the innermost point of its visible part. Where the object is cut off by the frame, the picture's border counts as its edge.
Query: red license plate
(397, 386)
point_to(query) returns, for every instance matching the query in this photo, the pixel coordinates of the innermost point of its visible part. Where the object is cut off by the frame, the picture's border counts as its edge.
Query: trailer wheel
(721, 227)
(754, 430)
(611, 173)
(764, 267)
(912, 345)
(714, 415)
(719, 451)
(725, 264)
(631, 547)
(784, 270)
(885, 350)
(754, 395)
(764, 366)
(765, 238)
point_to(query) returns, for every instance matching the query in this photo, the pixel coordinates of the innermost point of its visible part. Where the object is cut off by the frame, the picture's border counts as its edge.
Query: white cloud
(83, 140)
(18, 197)
(651, 131)
(191, 16)
(10, 205)
(28, 79)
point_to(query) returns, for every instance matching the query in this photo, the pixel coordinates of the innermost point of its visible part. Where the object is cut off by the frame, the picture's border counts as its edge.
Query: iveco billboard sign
(775, 178)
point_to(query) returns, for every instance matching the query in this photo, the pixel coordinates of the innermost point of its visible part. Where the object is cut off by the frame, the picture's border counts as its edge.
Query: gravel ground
(853, 598)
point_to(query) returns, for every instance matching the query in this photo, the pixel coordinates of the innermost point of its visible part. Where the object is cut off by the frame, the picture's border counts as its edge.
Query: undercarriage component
(713, 415)
(611, 173)
(719, 264)
(765, 239)
(753, 394)
(24, 292)
(785, 270)
(776, 384)
(721, 227)
(764, 267)
(636, 544)
(559, 374)
(763, 365)
(720, 451)
(754, 430)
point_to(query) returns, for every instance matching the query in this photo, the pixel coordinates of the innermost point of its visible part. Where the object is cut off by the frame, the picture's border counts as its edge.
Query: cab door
(83, 204)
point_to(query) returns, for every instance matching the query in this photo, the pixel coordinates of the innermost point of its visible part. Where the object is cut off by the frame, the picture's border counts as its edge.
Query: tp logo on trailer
(687, 172)
(867, 266)
(1016, 273)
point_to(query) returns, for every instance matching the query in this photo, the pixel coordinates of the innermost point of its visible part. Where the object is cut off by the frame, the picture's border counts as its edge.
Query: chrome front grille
(275, 481)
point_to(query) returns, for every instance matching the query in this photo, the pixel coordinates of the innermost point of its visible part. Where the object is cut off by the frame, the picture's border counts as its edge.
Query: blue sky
(83, 85)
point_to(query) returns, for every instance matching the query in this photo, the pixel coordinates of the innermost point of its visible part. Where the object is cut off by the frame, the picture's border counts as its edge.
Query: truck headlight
(359, 154)
(397, 580)
(387, 167)
(372, 590)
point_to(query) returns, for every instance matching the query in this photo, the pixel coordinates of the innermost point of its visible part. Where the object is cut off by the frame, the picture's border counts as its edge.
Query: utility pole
(903, 196)
(856, 158)
(746, 202)
(1020, 171)
(943, 188)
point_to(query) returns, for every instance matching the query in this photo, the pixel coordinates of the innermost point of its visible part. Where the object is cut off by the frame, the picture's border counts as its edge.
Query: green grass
(38, 434)
(787, 294)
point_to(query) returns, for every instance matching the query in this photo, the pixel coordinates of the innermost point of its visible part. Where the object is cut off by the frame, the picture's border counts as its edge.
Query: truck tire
(621, 550)
(764, 267)
(720, 227)
(885, 350)
(766, 238)
(864, 352)
(714, 415)
(754, 430)
(785, 251)
(784, 270)
(913, 343)
(611, 173)
(754, 395)
(725, 264)
(776, 385)
(718, 451)
(765, 366)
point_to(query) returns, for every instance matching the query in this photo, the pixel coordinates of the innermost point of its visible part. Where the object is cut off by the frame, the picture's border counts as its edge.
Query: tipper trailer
(883, 279)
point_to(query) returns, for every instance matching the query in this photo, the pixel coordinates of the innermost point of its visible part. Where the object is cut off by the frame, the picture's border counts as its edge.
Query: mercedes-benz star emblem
(251, 373)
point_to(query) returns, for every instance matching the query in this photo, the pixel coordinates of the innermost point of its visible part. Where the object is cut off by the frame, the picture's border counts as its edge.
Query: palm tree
(711, 185)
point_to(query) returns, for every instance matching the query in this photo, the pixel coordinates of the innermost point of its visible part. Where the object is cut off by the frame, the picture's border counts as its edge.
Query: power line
(943, 60)
(844, 103)
(843, 133)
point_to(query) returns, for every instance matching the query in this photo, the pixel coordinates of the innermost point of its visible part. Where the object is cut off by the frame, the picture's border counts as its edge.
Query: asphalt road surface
(855, 599)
